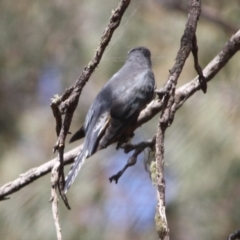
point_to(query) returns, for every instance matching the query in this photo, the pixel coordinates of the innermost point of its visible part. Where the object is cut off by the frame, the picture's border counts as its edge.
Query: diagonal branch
(229, 50)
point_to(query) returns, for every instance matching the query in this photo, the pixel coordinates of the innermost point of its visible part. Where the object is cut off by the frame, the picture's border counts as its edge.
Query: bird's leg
(125, 139)
(138, 148)
(131, 161)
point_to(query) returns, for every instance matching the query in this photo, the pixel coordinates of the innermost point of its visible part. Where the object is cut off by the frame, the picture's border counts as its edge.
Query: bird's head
(140, 54)
(140, 50)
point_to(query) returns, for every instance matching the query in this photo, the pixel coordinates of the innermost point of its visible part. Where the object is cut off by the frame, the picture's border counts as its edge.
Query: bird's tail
(78, 162)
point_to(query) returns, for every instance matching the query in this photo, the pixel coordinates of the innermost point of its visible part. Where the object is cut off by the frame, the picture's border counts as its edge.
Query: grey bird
(116, 107)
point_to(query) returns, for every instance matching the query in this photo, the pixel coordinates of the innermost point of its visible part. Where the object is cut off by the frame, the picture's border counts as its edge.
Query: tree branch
(182, 94)
(35, 173)
(54, 199)
(187, 90)
(188, 44)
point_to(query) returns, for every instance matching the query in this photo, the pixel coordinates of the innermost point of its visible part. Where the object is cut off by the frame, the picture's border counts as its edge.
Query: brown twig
(182, 94)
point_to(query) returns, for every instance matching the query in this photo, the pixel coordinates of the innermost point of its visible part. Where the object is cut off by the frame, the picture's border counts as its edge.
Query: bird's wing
(96, 130)
(137, 93)
(126, 105)
(89, 147)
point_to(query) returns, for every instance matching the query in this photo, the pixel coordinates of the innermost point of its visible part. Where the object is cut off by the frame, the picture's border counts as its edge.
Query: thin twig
(168, 112)
(197, 66)
(54, 199)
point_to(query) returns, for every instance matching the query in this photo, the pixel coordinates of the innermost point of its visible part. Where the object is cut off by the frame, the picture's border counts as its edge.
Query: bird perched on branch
(116, 108)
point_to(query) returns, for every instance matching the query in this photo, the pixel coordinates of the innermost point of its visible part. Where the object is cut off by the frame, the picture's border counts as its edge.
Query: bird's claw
(115, 178)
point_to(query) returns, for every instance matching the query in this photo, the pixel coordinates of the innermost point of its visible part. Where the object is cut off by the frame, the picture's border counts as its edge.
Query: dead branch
(188, 44)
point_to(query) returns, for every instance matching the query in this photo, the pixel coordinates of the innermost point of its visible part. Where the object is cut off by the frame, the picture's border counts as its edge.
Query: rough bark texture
(169, 108)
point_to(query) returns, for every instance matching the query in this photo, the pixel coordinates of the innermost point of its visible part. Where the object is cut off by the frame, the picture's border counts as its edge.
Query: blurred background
(44, 46)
